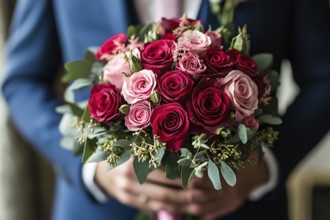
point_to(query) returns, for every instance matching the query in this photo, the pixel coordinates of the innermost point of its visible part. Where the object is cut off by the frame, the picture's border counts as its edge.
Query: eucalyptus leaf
(264, 61)
(69, 95)
(123, 158)
(160, 154)
(124, 143)
(171, 165)
(242, 134)
(80, 83)
(141, 169)
(184, 162)
(77, 69)
(85, 115)
(213, 173)
(184, 152)
(67, 142)
(63, 109)
(76, 110)
(228, 173)
(185, 175)
(89, 148)
(270, 119)
(90, 54)
(98, 156)
(78, 148)
(273, 77)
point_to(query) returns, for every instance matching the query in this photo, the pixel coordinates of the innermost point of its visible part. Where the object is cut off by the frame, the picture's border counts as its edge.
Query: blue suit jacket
(46, 33)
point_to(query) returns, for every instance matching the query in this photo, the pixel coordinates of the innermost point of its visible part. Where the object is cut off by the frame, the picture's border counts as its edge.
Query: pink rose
(157, 56)
(209, 106)
(175, 86)
(138, 116)
(242, 91)
(139, 86)
(104, 103)
(218, 63)
(191, 63)
(114, 70)
(194, 41)
(111, 46)
(216, 39)
(170, 122)
(251, 122)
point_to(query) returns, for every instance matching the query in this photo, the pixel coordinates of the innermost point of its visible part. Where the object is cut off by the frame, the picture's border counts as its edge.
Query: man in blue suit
(47, 33)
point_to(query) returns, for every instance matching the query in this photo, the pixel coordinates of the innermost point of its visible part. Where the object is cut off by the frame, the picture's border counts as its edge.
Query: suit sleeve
(307, 120)
(33, 58)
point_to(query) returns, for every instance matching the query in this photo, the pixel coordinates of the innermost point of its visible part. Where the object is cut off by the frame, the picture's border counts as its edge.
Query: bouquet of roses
(172, 95)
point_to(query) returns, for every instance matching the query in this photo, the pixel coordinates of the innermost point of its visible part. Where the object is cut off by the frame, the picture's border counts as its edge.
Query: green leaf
(242, 133)
(123, 143)
(233, 140)
(85, 115)
(78, 148)
(273, 77)
(213, 173)
(184, 162)
(76, 110)
(160, 154)
(270, 119)
(80, 83)
(141, 169)
(97, 157)
(184, 152)
(172, 167)
(90, 54)
(89, 148)
(123, 158)
(264, 61)
(228, 173)
(63, 109)
(77, 69)
(186, 175)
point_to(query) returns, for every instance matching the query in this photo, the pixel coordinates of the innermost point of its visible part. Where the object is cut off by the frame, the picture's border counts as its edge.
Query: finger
(158, 176)
(133, 200)
(220, 209)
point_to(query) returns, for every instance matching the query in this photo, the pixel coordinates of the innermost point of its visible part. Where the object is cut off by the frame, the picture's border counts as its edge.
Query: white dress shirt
(150, 11)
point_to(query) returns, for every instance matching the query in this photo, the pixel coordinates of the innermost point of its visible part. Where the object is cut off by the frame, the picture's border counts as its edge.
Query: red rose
(170, 122)
(259, 80)
(111, 45)
(209, 106)
(157, 56)
(168, 36)
(175, 86)
(218, 63)
(104, 103)
(245, 62)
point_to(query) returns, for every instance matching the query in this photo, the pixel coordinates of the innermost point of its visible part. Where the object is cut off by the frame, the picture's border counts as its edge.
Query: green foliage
(213, 173)
(187, 174)
(142, 169)
(98, 156)
(171, 165)
(242, 134)
(77, 69)
(90, 54)
(89, 148)
(270, 119)
(264, 61)
(273, 77)
(228, 173)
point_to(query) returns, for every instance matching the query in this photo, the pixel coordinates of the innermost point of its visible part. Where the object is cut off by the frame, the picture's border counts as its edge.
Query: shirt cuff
(272, 165)
(88, 174)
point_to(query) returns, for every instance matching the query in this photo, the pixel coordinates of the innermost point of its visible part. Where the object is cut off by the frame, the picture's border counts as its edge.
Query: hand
(228, 199)
(158, 192)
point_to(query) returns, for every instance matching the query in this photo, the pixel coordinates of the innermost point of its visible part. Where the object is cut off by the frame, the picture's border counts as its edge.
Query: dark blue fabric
(46, 33)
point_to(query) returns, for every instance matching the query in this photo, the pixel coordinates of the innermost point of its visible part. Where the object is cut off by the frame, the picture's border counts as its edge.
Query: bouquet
(173, 95)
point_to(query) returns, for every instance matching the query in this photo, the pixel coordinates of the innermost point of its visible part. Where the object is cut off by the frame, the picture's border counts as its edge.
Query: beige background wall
(25, 180)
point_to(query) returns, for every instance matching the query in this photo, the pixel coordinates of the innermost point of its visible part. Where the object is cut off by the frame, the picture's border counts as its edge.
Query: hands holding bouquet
(176, 101)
